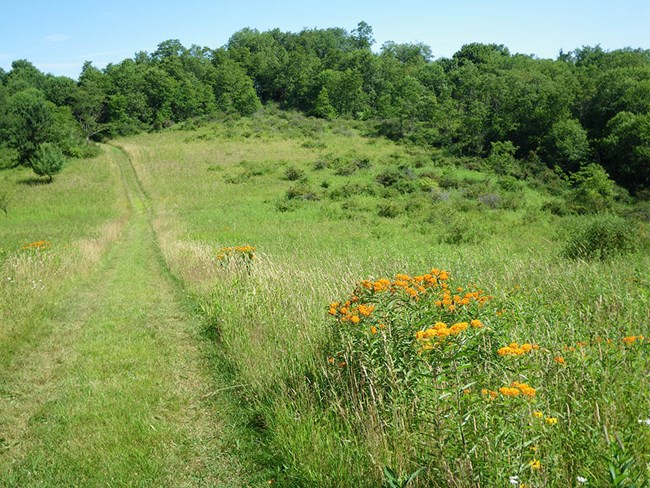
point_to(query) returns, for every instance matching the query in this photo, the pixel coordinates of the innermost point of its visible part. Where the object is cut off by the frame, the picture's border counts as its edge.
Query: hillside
(189, 312)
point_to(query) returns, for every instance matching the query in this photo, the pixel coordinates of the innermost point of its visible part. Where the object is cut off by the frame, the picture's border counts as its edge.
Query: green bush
(593, 191)
(293, 174)
(602, 238)
(48, 160)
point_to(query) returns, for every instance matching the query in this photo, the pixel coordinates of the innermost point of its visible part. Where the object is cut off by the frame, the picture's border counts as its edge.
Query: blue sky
(59, 35)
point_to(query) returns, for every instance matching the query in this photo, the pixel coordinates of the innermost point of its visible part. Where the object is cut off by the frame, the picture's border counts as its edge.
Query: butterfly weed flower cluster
(244, 253)
(36, 246)
(428, 358)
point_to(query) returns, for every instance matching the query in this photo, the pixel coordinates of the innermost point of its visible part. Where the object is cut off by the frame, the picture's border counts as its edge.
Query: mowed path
(116, 393)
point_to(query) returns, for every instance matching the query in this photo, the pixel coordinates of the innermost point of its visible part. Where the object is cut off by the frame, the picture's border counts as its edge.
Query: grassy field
(326, 208)
(102, 381)
(273, 365)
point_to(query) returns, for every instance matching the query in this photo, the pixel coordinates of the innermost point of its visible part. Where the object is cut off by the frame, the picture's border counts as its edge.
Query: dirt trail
(116, 395)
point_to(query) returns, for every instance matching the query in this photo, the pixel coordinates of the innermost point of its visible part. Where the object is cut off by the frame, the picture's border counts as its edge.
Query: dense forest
(519, 113)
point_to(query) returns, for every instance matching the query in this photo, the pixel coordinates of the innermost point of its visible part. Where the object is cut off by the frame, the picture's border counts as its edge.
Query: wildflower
(559, 360)
(330, 360)
(514, 480)
(551, 420)
(373, 329)
(507, 391)
(477, 324)
(537, 414)
(535, 464)
(366, 310)
(355, 319)
(489, 393)
(631, 339)
(580, 479)
(644, 421)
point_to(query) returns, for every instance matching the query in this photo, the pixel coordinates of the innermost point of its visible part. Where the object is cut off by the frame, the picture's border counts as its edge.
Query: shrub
(594, 191)
(293, 174)
(604, 237)
(389, 210)
(48, 160)
(301, 191)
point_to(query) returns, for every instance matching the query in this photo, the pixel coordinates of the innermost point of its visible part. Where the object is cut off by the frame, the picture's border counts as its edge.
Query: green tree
(593, 190)
(626, 149)
(363, 35)
(566, 145)
(48, 160)
(31, 123)
(233, 89)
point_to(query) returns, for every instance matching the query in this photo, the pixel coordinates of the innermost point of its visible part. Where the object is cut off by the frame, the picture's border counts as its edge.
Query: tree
(48, 160)
(323, 107)
(626, 150)
(362, 36)
(566, 145)
(233, 89)
(593, 191)
(31, 123)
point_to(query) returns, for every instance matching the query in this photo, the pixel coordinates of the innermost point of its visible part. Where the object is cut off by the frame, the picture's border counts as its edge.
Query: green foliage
(566, 145)
(5, 199)
(293, 174)
(604, 237)
(234, 90)
(626, 149)
(593, 191)
(588, 105)
(502, 158)
(31, 123)
(48, 160)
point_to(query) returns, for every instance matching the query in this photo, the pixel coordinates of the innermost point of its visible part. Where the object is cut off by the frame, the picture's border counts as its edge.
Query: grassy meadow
(290, 301)
(337, 383)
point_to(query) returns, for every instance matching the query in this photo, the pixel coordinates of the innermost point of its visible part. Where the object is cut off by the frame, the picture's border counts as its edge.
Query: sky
(57, 36)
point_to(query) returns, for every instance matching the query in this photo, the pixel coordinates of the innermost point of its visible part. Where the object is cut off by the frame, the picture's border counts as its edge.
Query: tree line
(586, 106)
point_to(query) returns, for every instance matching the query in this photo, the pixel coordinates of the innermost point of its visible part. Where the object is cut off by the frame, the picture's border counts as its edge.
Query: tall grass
(326, 208)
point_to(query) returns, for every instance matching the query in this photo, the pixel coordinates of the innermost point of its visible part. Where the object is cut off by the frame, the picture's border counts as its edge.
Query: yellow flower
(537, 414)
(535, 464)
(477, 324)
(559, 360)
(551, 420)
(373, 329)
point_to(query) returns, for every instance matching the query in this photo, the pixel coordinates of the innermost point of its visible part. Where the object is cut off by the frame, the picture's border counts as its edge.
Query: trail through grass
(115, 394)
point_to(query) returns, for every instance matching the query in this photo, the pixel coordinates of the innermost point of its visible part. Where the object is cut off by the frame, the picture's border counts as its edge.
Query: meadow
(335, 329)
(356, 311)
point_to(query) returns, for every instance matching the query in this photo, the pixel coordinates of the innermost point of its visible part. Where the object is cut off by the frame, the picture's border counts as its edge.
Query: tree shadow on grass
(34, 181)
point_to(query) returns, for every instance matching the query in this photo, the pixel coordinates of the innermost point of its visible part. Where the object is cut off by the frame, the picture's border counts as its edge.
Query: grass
(325, 208)
(110, 388)
(201, 370)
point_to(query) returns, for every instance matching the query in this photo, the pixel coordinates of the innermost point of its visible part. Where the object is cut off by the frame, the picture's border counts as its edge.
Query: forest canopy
(586, 106)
